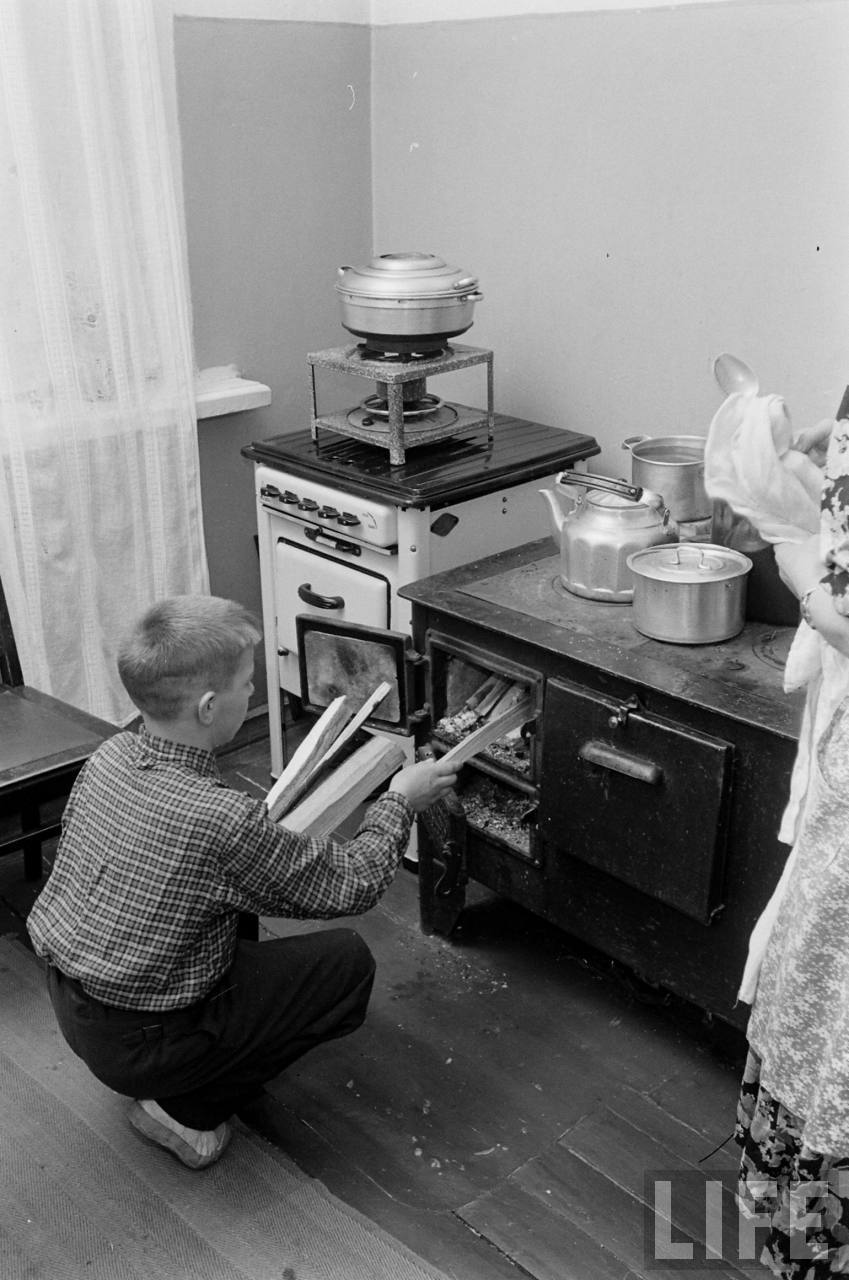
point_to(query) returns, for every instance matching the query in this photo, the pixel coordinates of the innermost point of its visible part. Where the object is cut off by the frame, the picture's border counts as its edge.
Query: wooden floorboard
(511, 1089)
(652, 1175)
(544, 1244)
(82, 1196)
(579, 1207)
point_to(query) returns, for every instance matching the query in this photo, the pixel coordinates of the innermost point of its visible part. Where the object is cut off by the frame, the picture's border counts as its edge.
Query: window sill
(220, 391)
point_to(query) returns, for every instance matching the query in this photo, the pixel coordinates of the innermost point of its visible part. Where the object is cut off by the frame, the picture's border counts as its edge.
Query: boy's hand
(424, 783)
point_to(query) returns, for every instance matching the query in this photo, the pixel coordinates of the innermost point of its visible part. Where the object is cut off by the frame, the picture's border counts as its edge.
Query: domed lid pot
(409, 275)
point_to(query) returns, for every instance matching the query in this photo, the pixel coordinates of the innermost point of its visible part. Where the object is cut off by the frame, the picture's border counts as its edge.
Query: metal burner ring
(377, 407)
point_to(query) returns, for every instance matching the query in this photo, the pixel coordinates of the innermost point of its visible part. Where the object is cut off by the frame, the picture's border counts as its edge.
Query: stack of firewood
(322, 785)
(319, 788)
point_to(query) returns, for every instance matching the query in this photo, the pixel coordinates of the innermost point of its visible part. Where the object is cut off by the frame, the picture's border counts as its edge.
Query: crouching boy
(137, 923)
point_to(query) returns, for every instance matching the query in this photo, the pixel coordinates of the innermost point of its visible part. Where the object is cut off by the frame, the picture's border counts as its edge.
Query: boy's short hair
(181, 647)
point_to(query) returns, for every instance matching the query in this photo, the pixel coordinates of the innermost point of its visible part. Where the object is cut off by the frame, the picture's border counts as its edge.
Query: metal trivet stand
(397, 433)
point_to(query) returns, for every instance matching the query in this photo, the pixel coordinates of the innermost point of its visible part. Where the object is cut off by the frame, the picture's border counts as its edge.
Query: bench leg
(33, 863)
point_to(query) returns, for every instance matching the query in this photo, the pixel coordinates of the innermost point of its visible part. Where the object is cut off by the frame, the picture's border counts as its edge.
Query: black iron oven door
(636, 796)
(347, 658)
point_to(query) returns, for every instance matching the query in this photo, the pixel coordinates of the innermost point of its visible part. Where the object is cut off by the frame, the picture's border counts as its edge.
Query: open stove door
(352, 659)
(349, 658)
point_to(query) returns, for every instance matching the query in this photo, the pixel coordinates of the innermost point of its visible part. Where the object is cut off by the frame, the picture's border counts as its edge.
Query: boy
(151, 986)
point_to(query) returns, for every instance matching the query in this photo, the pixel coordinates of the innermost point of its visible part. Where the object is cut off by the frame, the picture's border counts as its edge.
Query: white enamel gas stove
(341, 529)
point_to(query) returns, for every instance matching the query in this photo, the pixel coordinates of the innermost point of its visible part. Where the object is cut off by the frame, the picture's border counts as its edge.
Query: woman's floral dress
(793, 1112)
(834, 527)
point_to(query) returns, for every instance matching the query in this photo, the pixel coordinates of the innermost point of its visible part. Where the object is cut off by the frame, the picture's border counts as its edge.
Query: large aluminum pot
(398, 296)
(675, 467)
(689, 592)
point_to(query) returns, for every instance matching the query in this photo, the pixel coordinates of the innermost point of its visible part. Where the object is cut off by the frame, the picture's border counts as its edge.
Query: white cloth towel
(751, 464)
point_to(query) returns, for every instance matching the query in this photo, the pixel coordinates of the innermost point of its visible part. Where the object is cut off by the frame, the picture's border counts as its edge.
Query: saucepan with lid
(400, 296)
(689, 592)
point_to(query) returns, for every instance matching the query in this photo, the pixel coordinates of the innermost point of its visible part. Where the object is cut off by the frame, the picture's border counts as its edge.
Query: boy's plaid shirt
(158, 856)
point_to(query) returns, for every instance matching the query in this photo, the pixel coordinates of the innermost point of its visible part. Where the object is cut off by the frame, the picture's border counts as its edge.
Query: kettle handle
(630, 441)
(670, 525)
(590, 481)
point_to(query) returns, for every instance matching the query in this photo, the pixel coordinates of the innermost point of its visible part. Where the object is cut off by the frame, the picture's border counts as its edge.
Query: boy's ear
(206, 707)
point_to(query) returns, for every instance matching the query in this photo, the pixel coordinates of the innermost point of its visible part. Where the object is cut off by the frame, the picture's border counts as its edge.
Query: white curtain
(100, 510)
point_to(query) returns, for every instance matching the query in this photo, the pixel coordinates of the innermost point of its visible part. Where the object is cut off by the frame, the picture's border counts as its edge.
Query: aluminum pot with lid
(399, 296)
(674, 465)
(689, 592)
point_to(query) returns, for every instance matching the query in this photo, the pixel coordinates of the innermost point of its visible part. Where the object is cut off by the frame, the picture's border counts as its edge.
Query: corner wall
(637, 191)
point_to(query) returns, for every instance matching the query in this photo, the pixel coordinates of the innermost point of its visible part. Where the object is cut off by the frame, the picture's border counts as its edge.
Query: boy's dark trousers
(201, 1064)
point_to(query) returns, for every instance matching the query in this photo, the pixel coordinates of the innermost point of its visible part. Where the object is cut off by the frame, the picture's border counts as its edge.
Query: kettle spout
(555, 512)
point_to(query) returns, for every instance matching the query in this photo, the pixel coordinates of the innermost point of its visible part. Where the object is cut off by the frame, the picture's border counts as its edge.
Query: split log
(370, 705)
(509, 697)
(294, 779)
(336, 798)
(474, 698)
(491, 730)
(488, 704)
(476, 708)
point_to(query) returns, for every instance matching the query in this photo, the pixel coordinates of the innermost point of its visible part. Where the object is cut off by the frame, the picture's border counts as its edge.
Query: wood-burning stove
(646, 821)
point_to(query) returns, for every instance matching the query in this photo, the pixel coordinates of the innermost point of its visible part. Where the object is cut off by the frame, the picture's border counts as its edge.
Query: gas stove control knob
(308, 504)
(289, 496)
(328, 513)
(348, 518)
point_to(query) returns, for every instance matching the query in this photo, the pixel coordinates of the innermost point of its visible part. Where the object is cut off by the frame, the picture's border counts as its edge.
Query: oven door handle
(306, 593)
(606, 757)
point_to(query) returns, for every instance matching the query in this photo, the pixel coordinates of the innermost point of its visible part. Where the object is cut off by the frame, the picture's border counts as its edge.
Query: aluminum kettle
(606, 521)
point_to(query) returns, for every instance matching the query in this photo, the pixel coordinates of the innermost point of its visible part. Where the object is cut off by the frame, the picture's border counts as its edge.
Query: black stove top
(462, 467)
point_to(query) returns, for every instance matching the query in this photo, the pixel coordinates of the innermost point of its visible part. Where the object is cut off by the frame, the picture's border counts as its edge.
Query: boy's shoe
(195, 1148)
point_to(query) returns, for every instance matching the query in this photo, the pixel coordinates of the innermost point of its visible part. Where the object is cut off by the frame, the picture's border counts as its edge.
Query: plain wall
(637, 192)
(274, 124)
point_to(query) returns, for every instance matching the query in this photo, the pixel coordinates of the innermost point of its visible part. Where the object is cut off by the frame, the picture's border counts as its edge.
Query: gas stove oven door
(347, 658)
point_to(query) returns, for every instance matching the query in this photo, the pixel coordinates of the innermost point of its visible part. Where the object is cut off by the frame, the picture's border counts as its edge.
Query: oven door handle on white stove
(306, 593)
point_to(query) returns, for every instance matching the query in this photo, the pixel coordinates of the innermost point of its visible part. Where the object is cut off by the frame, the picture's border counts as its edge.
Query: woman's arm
(802, 569)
